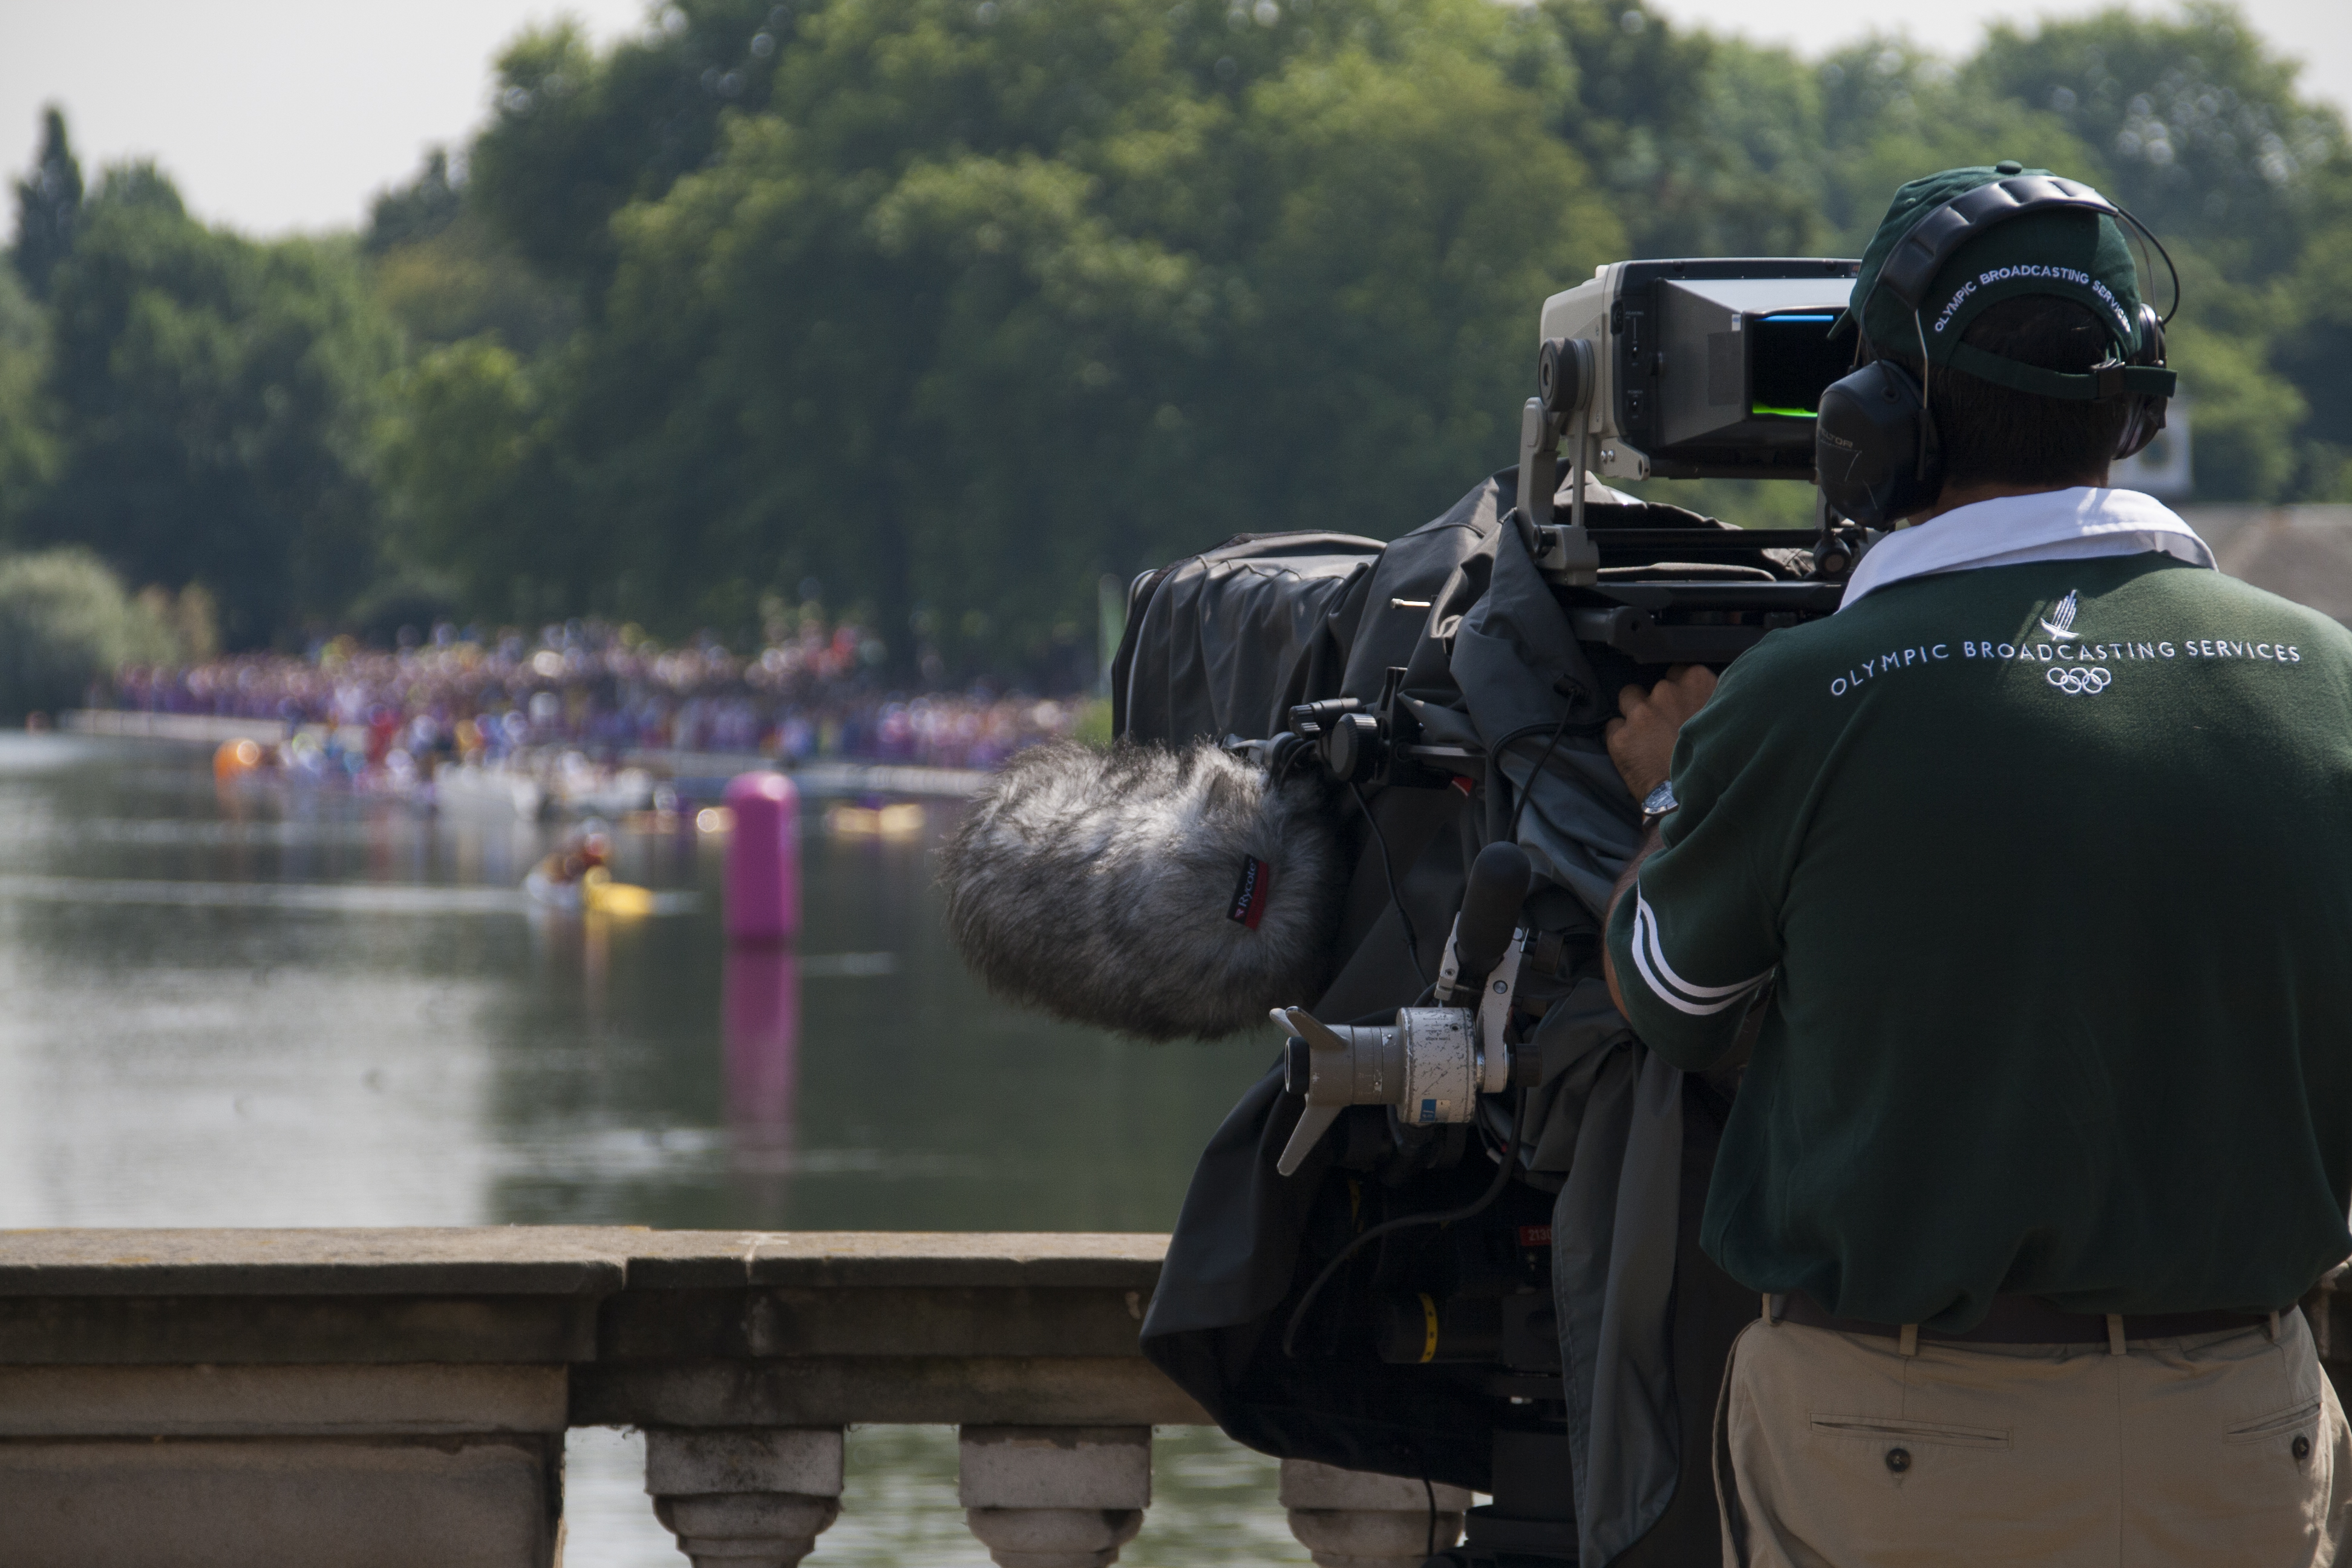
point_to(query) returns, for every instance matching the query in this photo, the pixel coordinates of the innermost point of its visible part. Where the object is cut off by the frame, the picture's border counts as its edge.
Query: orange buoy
(235, 758)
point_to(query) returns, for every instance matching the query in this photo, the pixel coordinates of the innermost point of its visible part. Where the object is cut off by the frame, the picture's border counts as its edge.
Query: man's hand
(1641, 743)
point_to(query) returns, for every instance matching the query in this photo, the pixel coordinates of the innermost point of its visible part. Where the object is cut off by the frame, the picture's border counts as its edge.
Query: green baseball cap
(2074, 252)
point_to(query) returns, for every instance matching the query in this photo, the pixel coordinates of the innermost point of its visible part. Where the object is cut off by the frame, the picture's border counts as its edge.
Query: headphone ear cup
(2147, 415)
(1876, 453)
(2141, 427)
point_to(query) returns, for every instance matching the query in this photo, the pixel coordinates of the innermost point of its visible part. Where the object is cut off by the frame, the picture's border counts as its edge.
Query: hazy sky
(284, 114)
(2317, 31)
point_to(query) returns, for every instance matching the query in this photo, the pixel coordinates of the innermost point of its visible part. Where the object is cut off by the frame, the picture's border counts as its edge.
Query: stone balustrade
(395, 1397)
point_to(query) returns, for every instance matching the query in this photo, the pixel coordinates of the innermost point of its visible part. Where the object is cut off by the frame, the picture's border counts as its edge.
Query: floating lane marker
(337, 898)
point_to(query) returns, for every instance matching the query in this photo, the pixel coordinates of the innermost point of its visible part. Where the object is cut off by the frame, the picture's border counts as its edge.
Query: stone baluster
(1350, 1519)
(1055, 1497)
(755, 1498)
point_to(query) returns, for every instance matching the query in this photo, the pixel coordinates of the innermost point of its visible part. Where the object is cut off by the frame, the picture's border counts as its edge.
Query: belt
(2025, 1321)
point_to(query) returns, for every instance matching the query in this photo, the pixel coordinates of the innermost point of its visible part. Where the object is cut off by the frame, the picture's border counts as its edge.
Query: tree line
(938, 311)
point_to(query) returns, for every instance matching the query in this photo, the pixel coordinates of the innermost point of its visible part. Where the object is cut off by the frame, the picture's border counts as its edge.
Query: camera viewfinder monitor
(1709, 368)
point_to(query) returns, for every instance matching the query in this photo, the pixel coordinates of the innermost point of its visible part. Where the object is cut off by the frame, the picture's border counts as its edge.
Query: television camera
(1653, 369)
(1452, 1233)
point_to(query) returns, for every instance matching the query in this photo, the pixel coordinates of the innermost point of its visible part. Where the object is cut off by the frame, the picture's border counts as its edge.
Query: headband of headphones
(1936, 239)
(1911, 267)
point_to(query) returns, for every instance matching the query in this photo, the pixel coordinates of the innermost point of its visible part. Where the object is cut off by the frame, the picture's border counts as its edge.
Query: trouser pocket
(1921, 1459)
(2303, 1417)
(1879, 1428)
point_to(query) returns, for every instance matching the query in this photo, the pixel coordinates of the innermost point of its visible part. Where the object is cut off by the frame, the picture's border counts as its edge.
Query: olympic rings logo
(2081, 680)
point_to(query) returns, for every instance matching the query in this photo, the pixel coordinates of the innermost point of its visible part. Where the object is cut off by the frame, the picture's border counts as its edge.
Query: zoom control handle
(1499, 878)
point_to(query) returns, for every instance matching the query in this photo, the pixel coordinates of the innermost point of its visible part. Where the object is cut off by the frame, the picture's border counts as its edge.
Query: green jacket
(2049, 868)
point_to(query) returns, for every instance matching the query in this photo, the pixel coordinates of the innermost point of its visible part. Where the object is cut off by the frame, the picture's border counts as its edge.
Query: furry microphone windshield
(1160, 893)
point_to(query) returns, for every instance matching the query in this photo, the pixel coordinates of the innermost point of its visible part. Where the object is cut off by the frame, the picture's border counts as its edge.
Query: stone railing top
(682, 1259)
(530, 1260)
(556, 1260)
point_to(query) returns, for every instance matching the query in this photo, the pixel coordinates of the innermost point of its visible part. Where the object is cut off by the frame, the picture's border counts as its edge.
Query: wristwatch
(1660, 802)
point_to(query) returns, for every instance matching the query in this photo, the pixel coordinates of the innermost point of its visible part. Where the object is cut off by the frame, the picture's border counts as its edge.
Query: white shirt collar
(2052, 525)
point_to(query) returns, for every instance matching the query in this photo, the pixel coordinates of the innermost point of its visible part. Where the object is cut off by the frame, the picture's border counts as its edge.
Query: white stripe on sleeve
(1672, 988)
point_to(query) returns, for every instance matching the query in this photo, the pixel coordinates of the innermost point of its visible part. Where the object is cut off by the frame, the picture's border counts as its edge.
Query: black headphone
(1876, 455)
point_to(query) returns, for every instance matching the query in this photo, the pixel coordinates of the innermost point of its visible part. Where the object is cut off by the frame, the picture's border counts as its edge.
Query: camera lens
(1297, 1067)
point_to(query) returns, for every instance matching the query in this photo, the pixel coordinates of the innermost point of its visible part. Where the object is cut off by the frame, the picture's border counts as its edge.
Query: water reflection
(763, 1044)
(227, 1006)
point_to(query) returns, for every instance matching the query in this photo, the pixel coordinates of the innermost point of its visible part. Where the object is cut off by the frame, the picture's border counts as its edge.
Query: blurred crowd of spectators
(815, 693)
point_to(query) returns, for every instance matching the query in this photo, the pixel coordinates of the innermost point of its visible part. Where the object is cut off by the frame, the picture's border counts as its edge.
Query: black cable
(1412, 946)
(1520, 809)
(1429, 1490)
(1484, 1200)
(2149, 235)
(1927, 392)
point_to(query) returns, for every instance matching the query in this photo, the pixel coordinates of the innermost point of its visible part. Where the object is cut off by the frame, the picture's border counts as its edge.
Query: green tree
(990, 302)
(463, 451)
(2203, 132)
(215, 400)
(65, 623)
(957, 306)
(408, 213)
(575, 136)
(446, 275)
(28, 425)
(1891, 112)
(2312, 344)
(2250, 185)
(48, 207)
(1421, 217)
(1707, 146)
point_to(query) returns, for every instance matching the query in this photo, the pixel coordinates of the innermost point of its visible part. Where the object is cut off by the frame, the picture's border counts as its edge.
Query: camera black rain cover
(1225, 644)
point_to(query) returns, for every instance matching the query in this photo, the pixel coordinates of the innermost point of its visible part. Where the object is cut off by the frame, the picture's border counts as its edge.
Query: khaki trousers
(1836, 1450)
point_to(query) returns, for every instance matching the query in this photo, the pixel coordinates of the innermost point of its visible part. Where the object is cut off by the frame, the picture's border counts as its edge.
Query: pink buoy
(763, 858)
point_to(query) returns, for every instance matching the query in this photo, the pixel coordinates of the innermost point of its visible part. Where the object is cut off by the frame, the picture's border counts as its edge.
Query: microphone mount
(1348, 743)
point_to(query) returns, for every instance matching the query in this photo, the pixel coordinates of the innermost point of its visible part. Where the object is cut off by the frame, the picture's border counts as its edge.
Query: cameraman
(2037, 859)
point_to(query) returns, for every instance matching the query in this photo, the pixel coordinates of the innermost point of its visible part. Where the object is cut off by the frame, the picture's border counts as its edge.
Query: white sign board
(2162, 471)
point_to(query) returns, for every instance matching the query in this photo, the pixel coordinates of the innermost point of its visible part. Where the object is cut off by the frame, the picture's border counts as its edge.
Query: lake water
(241, 1007)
